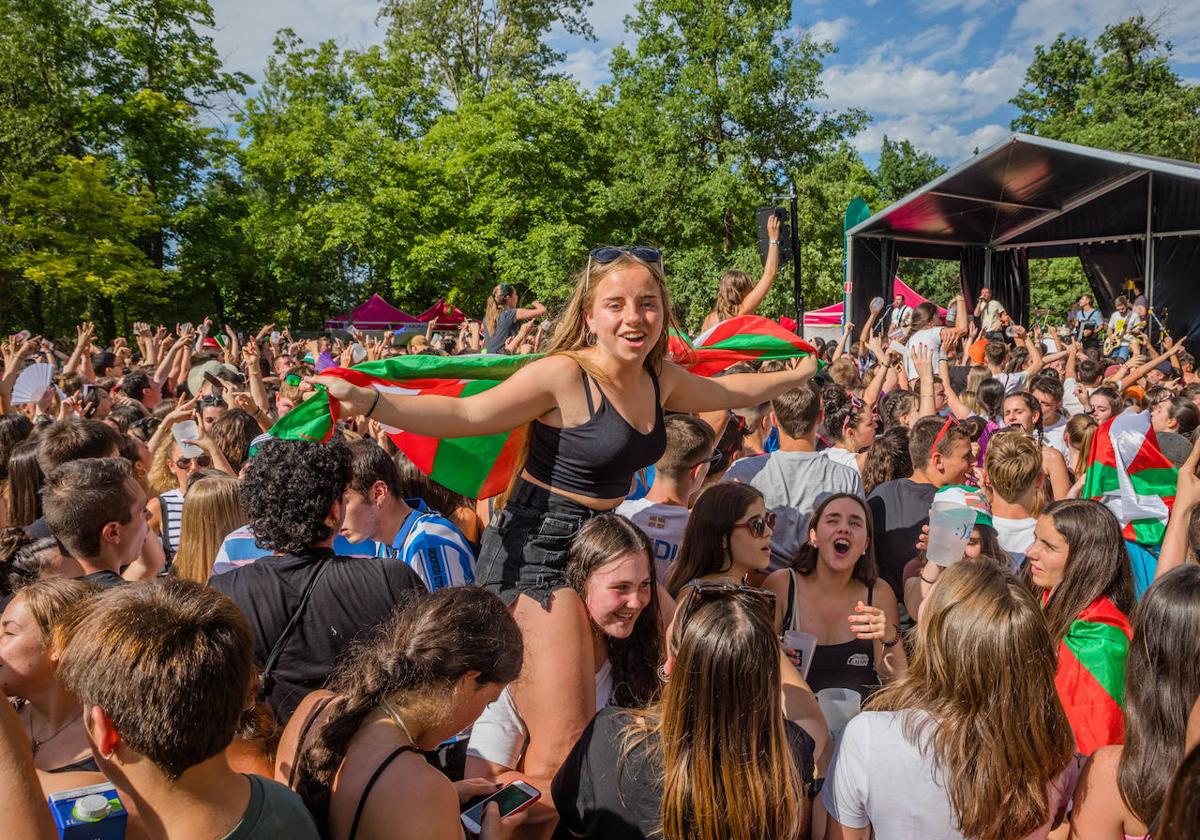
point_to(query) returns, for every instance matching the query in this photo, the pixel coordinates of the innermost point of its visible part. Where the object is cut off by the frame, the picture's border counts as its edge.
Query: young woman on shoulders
(595, 407)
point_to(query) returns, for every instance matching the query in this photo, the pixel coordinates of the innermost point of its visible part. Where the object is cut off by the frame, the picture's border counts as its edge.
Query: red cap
(211, 342)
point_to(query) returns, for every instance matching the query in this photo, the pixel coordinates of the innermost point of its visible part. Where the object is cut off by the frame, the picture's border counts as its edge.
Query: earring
(589, 338)
(663, 676)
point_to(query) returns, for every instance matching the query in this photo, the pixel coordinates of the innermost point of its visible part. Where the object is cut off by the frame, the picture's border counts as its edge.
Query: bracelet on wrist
(894, 641)
(773, 241)
(374, 404)
(927, 580)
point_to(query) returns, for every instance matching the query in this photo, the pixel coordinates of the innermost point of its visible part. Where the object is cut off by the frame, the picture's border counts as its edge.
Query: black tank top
(848, 665)
(599, 457)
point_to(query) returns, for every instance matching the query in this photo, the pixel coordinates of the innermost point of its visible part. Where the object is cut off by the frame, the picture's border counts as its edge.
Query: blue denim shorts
(525, 546)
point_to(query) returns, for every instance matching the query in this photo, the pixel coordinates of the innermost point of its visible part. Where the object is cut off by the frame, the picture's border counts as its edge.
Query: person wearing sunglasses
(737, 294)
(594, 407)
(836, 595)
(502, 318)
(715, 757)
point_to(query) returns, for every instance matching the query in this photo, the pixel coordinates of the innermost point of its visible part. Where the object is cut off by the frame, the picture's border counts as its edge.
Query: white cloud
(830, 30)
(889, 86)
(938, 7)
(245, 31)
(1040, 21)
(588, 65)
(941, 139)
(608, 19)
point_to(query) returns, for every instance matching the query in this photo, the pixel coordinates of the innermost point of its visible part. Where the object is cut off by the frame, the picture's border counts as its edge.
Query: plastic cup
(949, 532)
(839, 706)
(187, 430)
(800, 647)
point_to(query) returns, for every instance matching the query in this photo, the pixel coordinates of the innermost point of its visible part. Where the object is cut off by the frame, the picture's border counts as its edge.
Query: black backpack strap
(164, 519)
(268, 680)
(789, 612)
(362, 802)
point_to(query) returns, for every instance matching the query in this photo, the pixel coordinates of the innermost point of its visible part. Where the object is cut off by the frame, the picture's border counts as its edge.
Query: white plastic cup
(839, 706)
(800, 647)
(187, 430)
(950, 529)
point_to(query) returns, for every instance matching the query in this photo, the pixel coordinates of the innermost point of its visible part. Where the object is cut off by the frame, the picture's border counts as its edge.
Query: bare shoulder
(883, 596)
(413, 788)
(777, 581)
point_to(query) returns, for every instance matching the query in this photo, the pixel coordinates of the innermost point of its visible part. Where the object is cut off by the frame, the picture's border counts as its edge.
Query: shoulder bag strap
(304, 730)
(362, 802)
(268, 680)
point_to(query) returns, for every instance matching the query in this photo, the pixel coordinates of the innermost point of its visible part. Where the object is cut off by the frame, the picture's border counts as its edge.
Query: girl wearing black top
(714, 759)
(595, 406)
(836, 595)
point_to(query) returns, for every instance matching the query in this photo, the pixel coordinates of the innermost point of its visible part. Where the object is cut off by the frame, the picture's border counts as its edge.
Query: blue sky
(936, 72)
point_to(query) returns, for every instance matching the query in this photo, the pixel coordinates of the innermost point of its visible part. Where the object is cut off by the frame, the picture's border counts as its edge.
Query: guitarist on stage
(1121, 325)
(1089, 323)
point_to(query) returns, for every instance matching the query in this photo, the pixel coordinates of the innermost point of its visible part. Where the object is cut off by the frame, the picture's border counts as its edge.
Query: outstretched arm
(683, 391)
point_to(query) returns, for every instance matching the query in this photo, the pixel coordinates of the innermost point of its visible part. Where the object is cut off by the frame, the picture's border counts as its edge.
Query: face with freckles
(617, 592)
(840, 534)
(627, 313)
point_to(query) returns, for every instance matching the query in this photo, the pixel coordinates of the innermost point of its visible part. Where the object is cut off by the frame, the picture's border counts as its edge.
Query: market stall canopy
(831, 316)
(443, 315)
(374, 314)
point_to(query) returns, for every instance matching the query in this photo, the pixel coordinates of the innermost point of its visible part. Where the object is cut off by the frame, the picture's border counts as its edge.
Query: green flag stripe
(1102, 478)
(1148, 531)
(1102, 650)
(755, 341)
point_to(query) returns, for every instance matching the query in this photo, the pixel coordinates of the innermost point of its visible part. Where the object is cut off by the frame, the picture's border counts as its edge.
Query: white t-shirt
(1015, 536)
(931, 338)
(663, 524)
(878, 777)
(1013, 382)
(1055, 436)
(1123, 325)
(842, 456)
(500, 735)
(989, 314)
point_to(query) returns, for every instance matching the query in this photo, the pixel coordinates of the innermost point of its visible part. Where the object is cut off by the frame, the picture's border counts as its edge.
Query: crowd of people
(715, 607)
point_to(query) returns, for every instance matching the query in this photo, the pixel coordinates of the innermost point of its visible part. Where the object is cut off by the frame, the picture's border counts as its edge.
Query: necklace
(399, 721)
(36, 743)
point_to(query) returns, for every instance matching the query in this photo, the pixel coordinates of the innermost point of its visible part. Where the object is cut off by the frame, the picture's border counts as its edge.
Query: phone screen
(509, 799)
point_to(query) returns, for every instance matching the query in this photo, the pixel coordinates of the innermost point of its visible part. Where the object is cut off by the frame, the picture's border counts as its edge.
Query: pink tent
(375, 314)
(443, 315)
(831, 316)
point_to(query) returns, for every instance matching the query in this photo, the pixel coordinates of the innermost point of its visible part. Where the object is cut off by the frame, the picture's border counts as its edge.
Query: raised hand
(868, 622)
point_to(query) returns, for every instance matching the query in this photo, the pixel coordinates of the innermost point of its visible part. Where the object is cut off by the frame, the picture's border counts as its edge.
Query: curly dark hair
(430, 643)
(288, 490)
(887, 459)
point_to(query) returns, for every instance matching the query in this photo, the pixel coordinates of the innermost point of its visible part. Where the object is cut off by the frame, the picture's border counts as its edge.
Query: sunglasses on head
(606, 254)
(207, 401)
(758, 525)
(702, 590)
(950, 421)
(201, 461)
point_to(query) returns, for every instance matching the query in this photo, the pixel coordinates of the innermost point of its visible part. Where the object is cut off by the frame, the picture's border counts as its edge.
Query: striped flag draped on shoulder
(1128, 474)
(481, 466)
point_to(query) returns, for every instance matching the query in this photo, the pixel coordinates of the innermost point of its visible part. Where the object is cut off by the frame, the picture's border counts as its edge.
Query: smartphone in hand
(512, 798)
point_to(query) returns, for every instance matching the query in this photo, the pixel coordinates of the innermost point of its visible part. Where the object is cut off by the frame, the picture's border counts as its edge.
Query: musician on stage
(1121, 326)
(1089, 323)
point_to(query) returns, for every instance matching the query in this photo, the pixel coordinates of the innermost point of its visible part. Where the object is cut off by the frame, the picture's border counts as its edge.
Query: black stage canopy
(1031, 198)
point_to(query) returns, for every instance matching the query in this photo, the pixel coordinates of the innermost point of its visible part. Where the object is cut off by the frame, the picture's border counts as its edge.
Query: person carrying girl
(594, 406)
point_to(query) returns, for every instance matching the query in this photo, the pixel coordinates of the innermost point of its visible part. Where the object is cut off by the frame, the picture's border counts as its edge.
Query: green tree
(1120, 93)
(711, 116)
(465, 47)
(902, 169)
(71, 236)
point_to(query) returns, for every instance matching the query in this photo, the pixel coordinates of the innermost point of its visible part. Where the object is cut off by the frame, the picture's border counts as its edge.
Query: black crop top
(598, 458)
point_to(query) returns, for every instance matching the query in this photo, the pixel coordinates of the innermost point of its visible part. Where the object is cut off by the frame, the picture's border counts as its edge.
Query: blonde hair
(496, 301)
(51, 601)
(571, 335)
(731, 291)
(210, 512)
(1013, 463)
(159, 477)
(982, 671)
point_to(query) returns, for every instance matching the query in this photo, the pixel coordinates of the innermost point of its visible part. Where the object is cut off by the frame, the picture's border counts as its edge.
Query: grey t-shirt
(274, 811)
(793, 484)
(506, 328)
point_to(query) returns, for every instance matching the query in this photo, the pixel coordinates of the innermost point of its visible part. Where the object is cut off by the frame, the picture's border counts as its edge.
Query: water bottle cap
(91, 808)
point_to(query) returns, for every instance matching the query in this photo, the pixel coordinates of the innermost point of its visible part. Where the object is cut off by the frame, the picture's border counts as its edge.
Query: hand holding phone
(511, 799)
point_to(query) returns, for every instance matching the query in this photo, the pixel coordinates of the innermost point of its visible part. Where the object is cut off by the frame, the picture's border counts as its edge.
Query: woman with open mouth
(836, 595)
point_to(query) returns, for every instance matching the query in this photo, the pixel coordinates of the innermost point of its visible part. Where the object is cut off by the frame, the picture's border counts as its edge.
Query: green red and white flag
(1131, 477)
(1091, 675)
(482, 466)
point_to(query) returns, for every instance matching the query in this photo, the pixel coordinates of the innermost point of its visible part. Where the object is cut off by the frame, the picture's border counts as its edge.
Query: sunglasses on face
(758, 525)
(201, 461)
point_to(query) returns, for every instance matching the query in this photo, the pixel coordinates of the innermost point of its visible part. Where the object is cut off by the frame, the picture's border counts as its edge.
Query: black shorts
(524, 548)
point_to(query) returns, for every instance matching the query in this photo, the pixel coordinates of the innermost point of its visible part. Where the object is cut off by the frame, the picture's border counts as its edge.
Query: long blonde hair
(983, 671)
(210, 512)
(496, 301)
(728, 771)
(731, 291)
(160, 478)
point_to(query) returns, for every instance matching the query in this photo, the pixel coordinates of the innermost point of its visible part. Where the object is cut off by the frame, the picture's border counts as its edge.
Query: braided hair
(430, 642)
(842, 408)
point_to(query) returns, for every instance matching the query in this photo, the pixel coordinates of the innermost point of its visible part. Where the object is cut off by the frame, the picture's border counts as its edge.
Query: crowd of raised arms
(717, 607)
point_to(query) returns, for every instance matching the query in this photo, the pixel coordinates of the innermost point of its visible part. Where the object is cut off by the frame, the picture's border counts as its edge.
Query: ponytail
(495, 303)
(430, 642)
